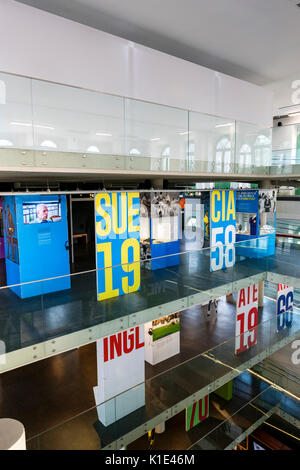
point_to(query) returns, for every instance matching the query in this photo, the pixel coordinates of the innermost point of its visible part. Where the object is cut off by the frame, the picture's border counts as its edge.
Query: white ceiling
(254, 40)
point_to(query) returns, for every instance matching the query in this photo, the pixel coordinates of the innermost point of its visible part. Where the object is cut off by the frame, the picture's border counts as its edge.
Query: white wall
(41, 45)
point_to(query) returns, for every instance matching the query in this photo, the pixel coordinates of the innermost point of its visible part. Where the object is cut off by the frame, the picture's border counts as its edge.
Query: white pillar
(12, 435)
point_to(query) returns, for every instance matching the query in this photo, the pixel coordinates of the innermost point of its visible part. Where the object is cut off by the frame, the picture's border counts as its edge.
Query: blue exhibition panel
(162, 251)
(41, 233)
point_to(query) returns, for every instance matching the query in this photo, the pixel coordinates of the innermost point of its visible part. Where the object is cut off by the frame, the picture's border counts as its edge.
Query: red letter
(131, 341)
(242, 297)
(255, 290)
(115, 341)
(105, 349)
(138, 345)
(203, 416)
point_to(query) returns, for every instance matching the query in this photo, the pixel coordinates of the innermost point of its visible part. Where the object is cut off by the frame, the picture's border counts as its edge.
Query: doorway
(83, 234)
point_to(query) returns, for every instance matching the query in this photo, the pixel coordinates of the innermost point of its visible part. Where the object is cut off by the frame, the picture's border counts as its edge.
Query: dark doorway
(83, 234)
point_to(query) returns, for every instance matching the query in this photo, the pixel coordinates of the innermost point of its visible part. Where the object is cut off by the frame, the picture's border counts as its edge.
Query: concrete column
(160, 428)
(261, 294)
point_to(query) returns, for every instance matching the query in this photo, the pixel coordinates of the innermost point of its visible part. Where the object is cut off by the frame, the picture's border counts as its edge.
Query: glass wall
(97, 130)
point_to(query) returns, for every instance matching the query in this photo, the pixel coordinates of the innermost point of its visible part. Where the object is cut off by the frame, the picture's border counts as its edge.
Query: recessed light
(155, 138)
(184, 133)
(104, 134)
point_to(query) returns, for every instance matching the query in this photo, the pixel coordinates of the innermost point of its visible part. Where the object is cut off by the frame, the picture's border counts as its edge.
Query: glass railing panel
(157, 132)
(253, 149)
(69, 119)
(69, 304)
(22, 324)
(162, 392)
(286, 138)
(246, 418)
(211, 146)
(16, 123)
(239, 351)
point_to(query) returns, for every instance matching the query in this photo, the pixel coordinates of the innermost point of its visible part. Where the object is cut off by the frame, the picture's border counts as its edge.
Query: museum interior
(149, 226)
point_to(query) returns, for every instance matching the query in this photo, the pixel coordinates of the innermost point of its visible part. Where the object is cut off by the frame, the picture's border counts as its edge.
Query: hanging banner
(121, 374)
(284, 310)
(246, 318)
(222, 229)
(196, 413)
(117, 244)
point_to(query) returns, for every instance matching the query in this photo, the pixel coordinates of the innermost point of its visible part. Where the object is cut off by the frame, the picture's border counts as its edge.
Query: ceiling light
(27, 124)
(155, 138)
(297, 113)
(225, 125)
(104, 134)
(184, 133)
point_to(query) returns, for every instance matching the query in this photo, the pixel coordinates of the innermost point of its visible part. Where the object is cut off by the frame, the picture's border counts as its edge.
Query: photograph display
(41, 212)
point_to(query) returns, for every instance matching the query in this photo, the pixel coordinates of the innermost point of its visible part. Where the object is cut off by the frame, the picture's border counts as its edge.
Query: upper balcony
(58, 131)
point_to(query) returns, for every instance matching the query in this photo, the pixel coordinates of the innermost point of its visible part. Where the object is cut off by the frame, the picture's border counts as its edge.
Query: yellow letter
(215, 217)
(132, 212)
(135, 266)
(102, 232)
(108, 288)
(116, 212)
(231, 205)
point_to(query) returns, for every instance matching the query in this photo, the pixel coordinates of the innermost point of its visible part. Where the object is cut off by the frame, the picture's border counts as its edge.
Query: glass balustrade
(173, 390)
(51, 322)
(48, 125)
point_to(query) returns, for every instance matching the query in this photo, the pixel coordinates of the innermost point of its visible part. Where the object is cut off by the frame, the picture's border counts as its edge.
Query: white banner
(246, 318)
(121, 374)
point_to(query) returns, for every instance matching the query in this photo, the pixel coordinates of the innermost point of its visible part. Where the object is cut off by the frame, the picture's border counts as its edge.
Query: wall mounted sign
(117, 244)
